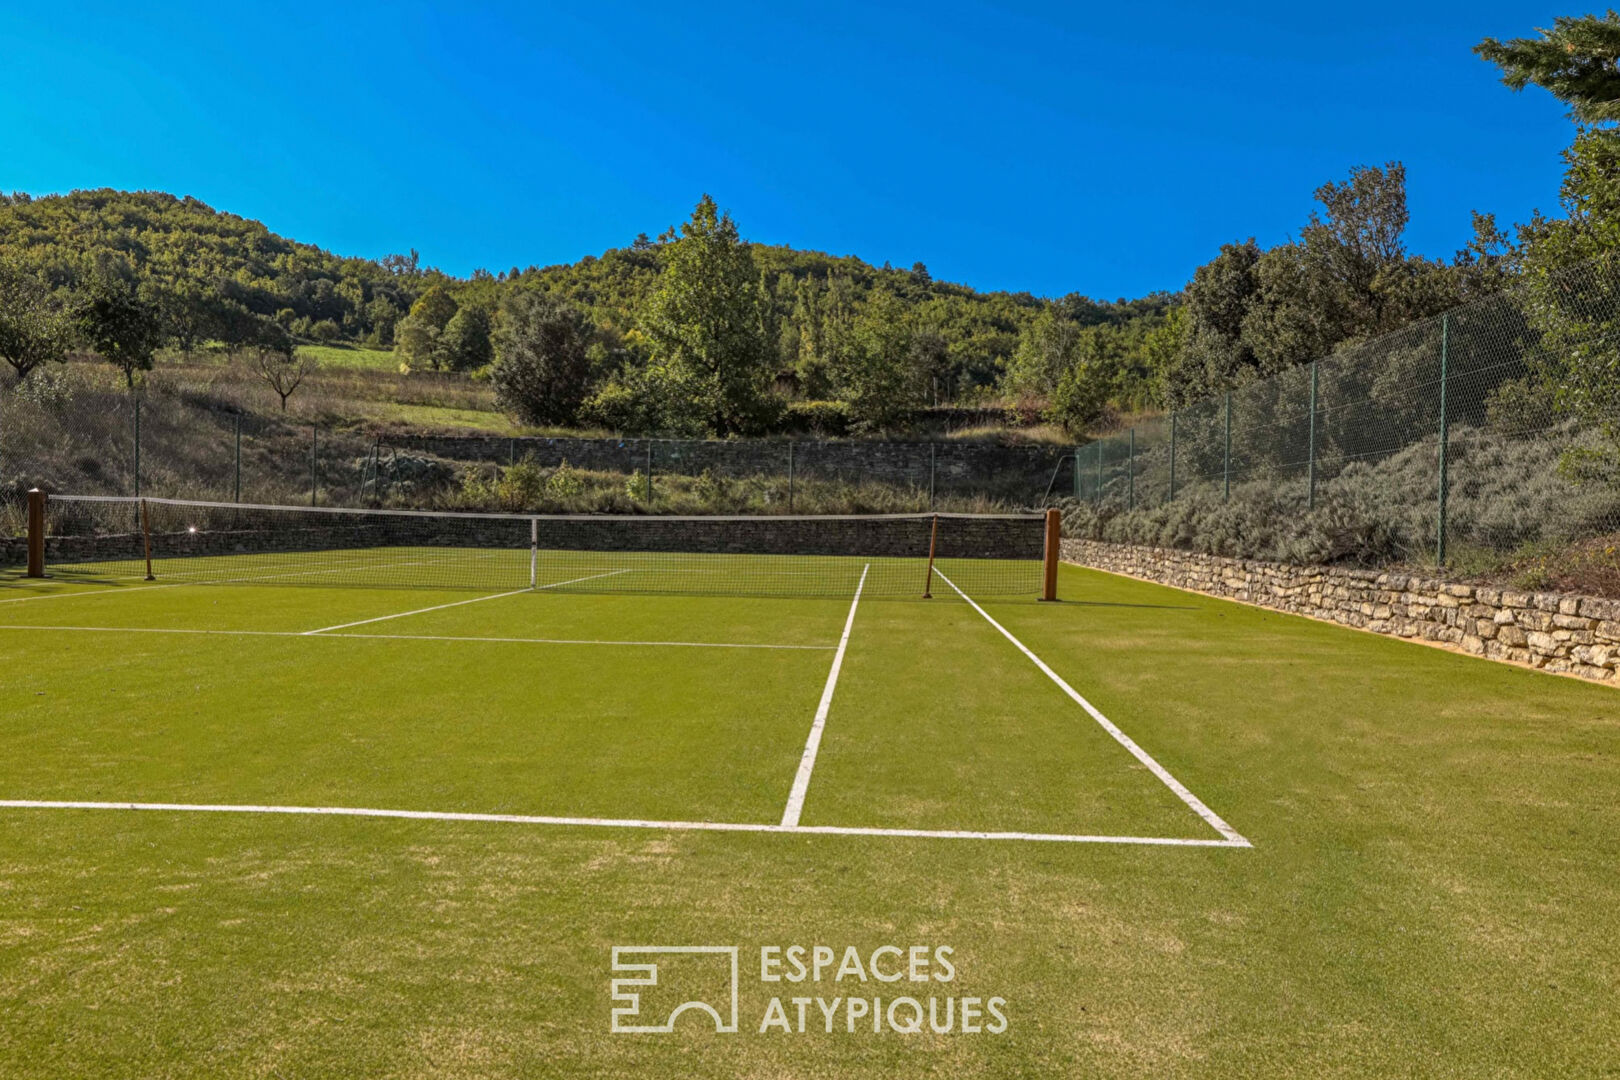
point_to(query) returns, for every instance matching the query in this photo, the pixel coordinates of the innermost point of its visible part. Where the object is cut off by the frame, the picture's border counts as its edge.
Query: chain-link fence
(1486, 430)
(100, 442)
(811, 475)
(78, 432)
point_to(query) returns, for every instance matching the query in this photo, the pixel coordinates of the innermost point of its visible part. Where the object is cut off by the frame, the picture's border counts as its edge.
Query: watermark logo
(889, 989)
(664, 981)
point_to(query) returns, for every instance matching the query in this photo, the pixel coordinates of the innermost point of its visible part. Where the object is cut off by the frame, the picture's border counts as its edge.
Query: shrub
(565, 483)
(827, 419)
(1503, 493)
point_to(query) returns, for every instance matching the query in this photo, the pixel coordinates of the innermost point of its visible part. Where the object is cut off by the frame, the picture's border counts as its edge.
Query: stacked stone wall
(1562, 632)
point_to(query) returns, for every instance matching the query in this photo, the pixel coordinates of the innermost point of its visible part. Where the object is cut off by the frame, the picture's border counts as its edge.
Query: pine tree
(1575, 61)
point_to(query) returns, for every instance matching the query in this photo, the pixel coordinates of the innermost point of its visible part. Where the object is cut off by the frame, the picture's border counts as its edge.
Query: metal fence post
(649, 470)
(137, 448)
(236, 485)
(1099, 445)
(790, 476)
(1172, 456)
(1130, 472)
(314, 451)
(1226, 456)
(932, 471)
(1445, 438)
(1076, 466)
(1310, 492)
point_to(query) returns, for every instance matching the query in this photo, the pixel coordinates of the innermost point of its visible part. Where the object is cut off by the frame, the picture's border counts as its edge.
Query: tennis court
(435, 671)
(339, 796)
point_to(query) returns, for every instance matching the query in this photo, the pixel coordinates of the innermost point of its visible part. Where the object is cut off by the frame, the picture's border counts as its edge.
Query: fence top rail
(639, 440)
(369, 512)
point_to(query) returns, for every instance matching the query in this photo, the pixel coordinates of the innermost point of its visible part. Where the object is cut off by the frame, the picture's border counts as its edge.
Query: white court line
(1194, 802)
(459, 603)
(588, 641)
(89, 592)
(807, 762)
(418, 611)
(588, 577)
(621, 823)
(417, 637)
(212, 581)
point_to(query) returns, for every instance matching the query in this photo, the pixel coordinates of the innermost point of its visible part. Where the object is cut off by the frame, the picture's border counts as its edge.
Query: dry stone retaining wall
(953, 467)
(1561, 632)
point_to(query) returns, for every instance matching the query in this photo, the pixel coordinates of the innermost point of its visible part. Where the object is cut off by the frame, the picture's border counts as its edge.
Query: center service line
(807, 763)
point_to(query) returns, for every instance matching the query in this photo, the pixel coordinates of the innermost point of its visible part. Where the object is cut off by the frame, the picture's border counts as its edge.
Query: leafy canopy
(704, 328)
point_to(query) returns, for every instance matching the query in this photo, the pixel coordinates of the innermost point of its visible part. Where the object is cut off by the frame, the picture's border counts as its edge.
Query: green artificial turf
(1431, 890)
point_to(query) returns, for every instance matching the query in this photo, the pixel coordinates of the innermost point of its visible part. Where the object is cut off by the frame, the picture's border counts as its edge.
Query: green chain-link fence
(78, 431)
(1484, 430)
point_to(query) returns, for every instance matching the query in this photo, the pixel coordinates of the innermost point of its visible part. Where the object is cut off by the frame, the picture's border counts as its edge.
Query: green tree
(1214, 351)
(466, 339)
(542, 369)
(36, 325)
(1047, 349)
(383, 317)
(1085, 389)
(704, 329)
(1590, 199)
(418, 339)
(1570, 270)
(1576, 61)
(878, 376)
(1334, 283)
(125, 329)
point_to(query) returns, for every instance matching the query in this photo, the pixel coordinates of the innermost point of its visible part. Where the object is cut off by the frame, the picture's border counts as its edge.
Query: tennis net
(112, 537)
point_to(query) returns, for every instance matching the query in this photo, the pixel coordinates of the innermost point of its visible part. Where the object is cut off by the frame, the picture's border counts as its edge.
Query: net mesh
(107, 537)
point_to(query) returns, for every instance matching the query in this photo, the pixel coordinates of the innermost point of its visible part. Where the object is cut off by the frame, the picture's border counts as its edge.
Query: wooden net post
(933, 539)
(36, 533)
(1054, 545)
(146, 539)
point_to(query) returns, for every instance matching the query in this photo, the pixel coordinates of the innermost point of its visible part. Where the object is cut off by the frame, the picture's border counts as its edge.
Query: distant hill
(216, 273)
(210, 269)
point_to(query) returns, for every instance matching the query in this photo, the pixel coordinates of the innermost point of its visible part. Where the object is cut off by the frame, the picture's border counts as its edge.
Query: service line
(418, 637)
(622, 823)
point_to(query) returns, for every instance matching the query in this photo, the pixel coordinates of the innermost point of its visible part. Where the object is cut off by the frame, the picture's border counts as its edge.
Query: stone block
(1531, 619)
(1594, 608)
(1545, 644)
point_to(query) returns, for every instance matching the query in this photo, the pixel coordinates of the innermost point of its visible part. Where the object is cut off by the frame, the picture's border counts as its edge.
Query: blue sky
(1107, 149)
